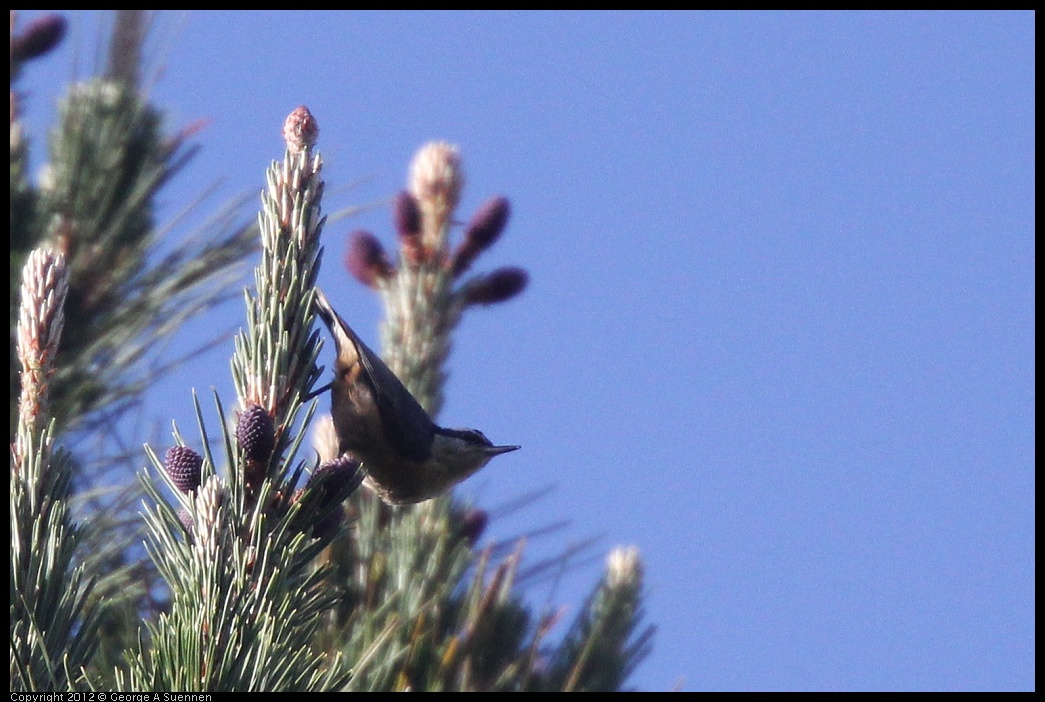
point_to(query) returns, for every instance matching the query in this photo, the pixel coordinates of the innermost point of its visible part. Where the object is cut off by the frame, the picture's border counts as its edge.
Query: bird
(406, 456)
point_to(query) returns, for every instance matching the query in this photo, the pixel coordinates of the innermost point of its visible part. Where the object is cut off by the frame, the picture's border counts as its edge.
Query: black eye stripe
(465, 434)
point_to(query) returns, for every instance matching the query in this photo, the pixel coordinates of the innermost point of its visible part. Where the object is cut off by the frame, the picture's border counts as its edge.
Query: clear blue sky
(780, 329)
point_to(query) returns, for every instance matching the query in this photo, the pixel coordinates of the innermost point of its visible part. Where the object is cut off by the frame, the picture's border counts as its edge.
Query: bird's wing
(405, 421)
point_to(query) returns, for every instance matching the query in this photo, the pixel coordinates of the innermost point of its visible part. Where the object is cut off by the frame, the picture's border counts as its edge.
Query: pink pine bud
(503, 284)
(300, 130)
(39, 36)
(183, 465)
(436, 174)
(484, 229)
(336, 480)
(256, 434)
(407, 216)
(473, 524)
(366, 259)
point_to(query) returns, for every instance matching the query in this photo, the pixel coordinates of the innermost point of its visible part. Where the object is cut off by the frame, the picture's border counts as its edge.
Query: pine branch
(245, 606)
(53, 628)
(602, 647)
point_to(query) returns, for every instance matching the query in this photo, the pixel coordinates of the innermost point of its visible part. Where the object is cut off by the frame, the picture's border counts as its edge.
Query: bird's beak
(498, 450)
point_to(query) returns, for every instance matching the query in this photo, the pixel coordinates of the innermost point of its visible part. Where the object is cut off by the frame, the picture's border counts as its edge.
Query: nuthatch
(407, 457)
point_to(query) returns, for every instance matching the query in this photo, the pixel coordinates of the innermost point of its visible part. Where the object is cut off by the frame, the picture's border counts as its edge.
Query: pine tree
(260, 575)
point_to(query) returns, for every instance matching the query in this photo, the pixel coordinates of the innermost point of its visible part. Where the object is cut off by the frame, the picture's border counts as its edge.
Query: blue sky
(779, 333)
